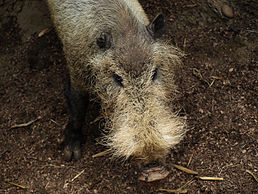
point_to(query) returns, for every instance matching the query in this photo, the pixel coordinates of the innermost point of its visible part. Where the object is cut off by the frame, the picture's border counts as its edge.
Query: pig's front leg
(77, 105)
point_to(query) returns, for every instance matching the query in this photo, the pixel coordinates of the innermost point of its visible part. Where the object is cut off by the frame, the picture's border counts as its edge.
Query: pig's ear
(157, 27)
(104, 41)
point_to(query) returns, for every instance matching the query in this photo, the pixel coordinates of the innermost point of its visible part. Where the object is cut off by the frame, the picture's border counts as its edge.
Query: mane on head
(132, 43)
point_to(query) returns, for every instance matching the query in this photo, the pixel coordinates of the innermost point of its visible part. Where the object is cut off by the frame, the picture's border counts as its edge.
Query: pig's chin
(146, 137)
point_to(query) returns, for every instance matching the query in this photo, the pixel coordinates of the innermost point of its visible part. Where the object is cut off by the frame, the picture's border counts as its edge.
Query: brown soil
(217, 92)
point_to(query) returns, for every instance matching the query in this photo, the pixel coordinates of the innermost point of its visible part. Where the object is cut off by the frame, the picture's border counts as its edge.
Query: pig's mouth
(145, 142)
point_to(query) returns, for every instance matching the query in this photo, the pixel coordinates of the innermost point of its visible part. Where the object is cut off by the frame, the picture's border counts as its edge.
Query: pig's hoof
(72, 150)
(153, 174)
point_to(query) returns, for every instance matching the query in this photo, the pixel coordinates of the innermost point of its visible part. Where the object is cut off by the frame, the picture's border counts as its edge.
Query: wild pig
(113, 52)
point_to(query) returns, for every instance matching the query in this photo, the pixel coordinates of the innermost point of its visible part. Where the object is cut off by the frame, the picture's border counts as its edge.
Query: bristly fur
(139, 120)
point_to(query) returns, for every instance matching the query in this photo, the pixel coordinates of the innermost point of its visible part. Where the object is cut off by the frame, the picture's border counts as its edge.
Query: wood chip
(185, 169)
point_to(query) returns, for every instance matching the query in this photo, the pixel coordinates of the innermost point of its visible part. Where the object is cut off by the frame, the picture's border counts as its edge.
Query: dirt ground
(217, 92)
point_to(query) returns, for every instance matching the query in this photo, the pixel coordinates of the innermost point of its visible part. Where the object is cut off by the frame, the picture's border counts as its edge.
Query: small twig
(25, 124)
(248, 171)
(80, 173)
(55, 122)
(191, 5)
(228, 166)
(101, 154)
(184, 44)
(198, 74)
(217, 77)
(51, 165)
(205, 178)
(20, 186)
(190, 159)
(173, 190)
(43, 32)
(212, 82)
(188, 183)
(185, 169)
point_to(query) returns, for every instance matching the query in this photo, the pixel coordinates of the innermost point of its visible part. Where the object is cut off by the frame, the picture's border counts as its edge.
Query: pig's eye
(104, 41)
(118, 79)
(155, 74)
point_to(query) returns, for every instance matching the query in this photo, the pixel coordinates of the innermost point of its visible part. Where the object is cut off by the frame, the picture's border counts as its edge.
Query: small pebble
(227, 11)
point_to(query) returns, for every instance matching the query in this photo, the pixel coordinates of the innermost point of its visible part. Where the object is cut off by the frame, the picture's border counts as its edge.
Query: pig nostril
(118, 79)
(155, 74)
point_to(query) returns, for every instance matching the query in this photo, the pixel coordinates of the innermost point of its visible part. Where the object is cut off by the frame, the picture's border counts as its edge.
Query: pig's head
(133, 76)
